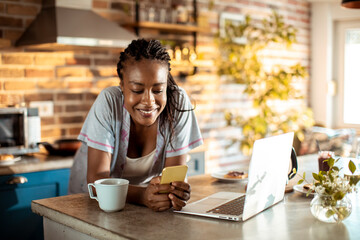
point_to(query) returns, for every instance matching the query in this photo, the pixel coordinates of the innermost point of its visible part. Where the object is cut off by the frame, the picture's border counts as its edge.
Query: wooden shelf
(168, 27)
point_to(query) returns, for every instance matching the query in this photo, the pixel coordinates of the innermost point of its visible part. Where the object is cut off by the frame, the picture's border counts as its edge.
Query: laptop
(268, 175)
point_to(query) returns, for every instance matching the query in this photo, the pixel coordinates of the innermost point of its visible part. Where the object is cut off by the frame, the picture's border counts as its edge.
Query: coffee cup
(110, 193)
(322, 156)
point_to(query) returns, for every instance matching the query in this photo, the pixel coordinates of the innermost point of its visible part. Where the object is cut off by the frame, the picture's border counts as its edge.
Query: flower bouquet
(331, 203)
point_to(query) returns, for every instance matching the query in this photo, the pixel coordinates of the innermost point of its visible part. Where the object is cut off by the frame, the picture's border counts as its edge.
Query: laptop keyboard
(234, 207)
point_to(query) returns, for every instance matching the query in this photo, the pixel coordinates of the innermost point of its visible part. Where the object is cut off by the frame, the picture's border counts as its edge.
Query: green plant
(332, 187)
(241, 62)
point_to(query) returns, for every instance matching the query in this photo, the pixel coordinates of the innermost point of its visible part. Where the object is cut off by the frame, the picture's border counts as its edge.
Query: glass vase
(328, 210)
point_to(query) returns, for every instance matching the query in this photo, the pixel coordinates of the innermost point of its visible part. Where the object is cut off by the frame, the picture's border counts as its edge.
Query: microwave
(20, 130)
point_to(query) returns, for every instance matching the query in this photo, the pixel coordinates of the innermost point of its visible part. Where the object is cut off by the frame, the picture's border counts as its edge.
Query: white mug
(111, 193)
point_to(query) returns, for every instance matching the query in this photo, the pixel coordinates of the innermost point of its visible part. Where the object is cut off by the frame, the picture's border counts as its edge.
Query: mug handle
(91, 193)
(294, 164)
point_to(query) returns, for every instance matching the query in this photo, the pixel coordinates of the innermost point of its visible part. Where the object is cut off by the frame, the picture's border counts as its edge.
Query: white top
(136, 169)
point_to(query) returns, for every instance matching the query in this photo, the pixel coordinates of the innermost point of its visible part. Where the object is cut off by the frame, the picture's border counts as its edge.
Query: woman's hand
(155, 200)
(179, 194)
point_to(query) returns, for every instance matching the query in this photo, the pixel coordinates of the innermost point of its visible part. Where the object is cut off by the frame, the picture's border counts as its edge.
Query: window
(347, 39)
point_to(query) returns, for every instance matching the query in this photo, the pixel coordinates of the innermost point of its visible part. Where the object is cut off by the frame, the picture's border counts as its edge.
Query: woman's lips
(147, 113)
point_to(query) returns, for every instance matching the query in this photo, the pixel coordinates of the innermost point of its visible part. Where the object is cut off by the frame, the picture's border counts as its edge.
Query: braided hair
(152, 49)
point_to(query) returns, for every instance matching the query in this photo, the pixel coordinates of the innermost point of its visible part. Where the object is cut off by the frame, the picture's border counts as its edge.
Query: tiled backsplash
(72, 79)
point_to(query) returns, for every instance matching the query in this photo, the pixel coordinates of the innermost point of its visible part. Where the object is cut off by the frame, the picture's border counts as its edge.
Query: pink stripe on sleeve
(185, 146)
(93, 141)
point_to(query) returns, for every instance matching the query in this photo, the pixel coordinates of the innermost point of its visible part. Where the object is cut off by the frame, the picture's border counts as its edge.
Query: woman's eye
(158, 91)
(137, 91)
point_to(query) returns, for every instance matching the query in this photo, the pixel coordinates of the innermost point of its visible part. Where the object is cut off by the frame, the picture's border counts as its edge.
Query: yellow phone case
(173, 174)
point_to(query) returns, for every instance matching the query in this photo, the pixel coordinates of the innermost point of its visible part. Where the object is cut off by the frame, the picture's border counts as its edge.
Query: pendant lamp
(350, 3)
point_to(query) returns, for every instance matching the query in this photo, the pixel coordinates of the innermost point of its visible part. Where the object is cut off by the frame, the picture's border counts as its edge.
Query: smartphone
(173, 174)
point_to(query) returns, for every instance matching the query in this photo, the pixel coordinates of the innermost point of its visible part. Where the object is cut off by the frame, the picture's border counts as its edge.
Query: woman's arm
(180, 191)
(98, 164)
(99, 167)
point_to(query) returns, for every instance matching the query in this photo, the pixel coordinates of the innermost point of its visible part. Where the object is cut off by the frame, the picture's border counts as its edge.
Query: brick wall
(72, 79)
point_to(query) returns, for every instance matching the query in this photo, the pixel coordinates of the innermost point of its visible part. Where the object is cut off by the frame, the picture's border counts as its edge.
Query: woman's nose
(148, 97)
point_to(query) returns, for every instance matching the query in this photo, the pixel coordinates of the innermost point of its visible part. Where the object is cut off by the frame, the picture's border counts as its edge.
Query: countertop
(37, 162)
(289, 219)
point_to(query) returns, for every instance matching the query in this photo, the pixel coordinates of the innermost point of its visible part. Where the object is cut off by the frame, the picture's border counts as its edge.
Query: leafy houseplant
(331, 203)
(241, 62)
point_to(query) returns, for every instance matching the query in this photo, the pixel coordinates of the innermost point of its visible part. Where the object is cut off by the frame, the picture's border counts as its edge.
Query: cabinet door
(196, 164)
(17, 219)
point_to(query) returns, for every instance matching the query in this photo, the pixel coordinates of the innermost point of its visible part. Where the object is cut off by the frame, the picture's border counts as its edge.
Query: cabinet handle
(17, 180)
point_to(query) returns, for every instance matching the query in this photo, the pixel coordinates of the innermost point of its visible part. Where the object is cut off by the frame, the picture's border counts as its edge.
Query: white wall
(325, 13)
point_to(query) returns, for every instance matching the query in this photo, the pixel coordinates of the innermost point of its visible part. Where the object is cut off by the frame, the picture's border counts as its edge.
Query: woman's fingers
(177, 203)
(182, 185)
(183, 195)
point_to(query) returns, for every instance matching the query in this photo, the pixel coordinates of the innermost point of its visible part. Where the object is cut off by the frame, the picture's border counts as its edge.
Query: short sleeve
(98, 129)
(187, 134)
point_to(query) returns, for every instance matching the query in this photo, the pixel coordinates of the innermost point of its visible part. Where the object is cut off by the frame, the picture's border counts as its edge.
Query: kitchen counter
(79, 217)
(36, 162)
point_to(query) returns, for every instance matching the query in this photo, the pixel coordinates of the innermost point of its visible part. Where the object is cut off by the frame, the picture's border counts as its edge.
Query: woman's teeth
(146, 112)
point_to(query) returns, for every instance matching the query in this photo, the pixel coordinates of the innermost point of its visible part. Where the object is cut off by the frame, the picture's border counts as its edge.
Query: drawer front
(16, 193)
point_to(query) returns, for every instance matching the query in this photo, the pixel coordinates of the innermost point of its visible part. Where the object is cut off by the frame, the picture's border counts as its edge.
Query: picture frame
(236, 19)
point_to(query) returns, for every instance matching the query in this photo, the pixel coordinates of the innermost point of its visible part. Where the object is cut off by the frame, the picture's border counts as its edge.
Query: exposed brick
(51, 84)
(102, 72)
(106, 62)
(18, 9)
(73, 119)
(82, 84)
(10, 21)
(54, 132)
(11, 73)
(58, 108)
(11, 99)
(47, 59)
(68, 96)
(12, 58)
(33, 72)
(19, 85)
(47, 121)
(74, 131)
(78, 108)
(70, 72)
(90, 96)
(39, 97)
(12, 34)
(78, 61)
(99, 4)
(107, 83)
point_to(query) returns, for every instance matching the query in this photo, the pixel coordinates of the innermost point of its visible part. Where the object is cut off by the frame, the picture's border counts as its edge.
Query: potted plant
(241, 62)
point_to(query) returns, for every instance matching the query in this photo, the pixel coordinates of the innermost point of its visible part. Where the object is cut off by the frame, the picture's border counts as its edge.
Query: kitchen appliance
(65, 24)
(20, 130)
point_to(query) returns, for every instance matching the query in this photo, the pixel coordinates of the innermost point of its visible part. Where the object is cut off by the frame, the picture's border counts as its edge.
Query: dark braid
(152, 49)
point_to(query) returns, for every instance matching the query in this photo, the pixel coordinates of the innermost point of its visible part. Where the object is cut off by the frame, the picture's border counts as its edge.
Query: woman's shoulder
(113, 92)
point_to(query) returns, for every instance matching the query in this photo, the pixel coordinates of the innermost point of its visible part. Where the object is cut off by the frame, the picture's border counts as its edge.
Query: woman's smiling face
(144, 87)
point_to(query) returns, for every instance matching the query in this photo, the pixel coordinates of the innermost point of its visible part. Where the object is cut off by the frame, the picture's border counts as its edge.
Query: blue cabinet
(196, 163)
(17, 221)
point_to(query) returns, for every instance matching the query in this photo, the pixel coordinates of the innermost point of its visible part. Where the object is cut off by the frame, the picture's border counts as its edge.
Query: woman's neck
(142, 139)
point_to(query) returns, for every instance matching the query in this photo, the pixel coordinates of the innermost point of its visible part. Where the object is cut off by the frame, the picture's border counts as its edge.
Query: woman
(136, 129)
